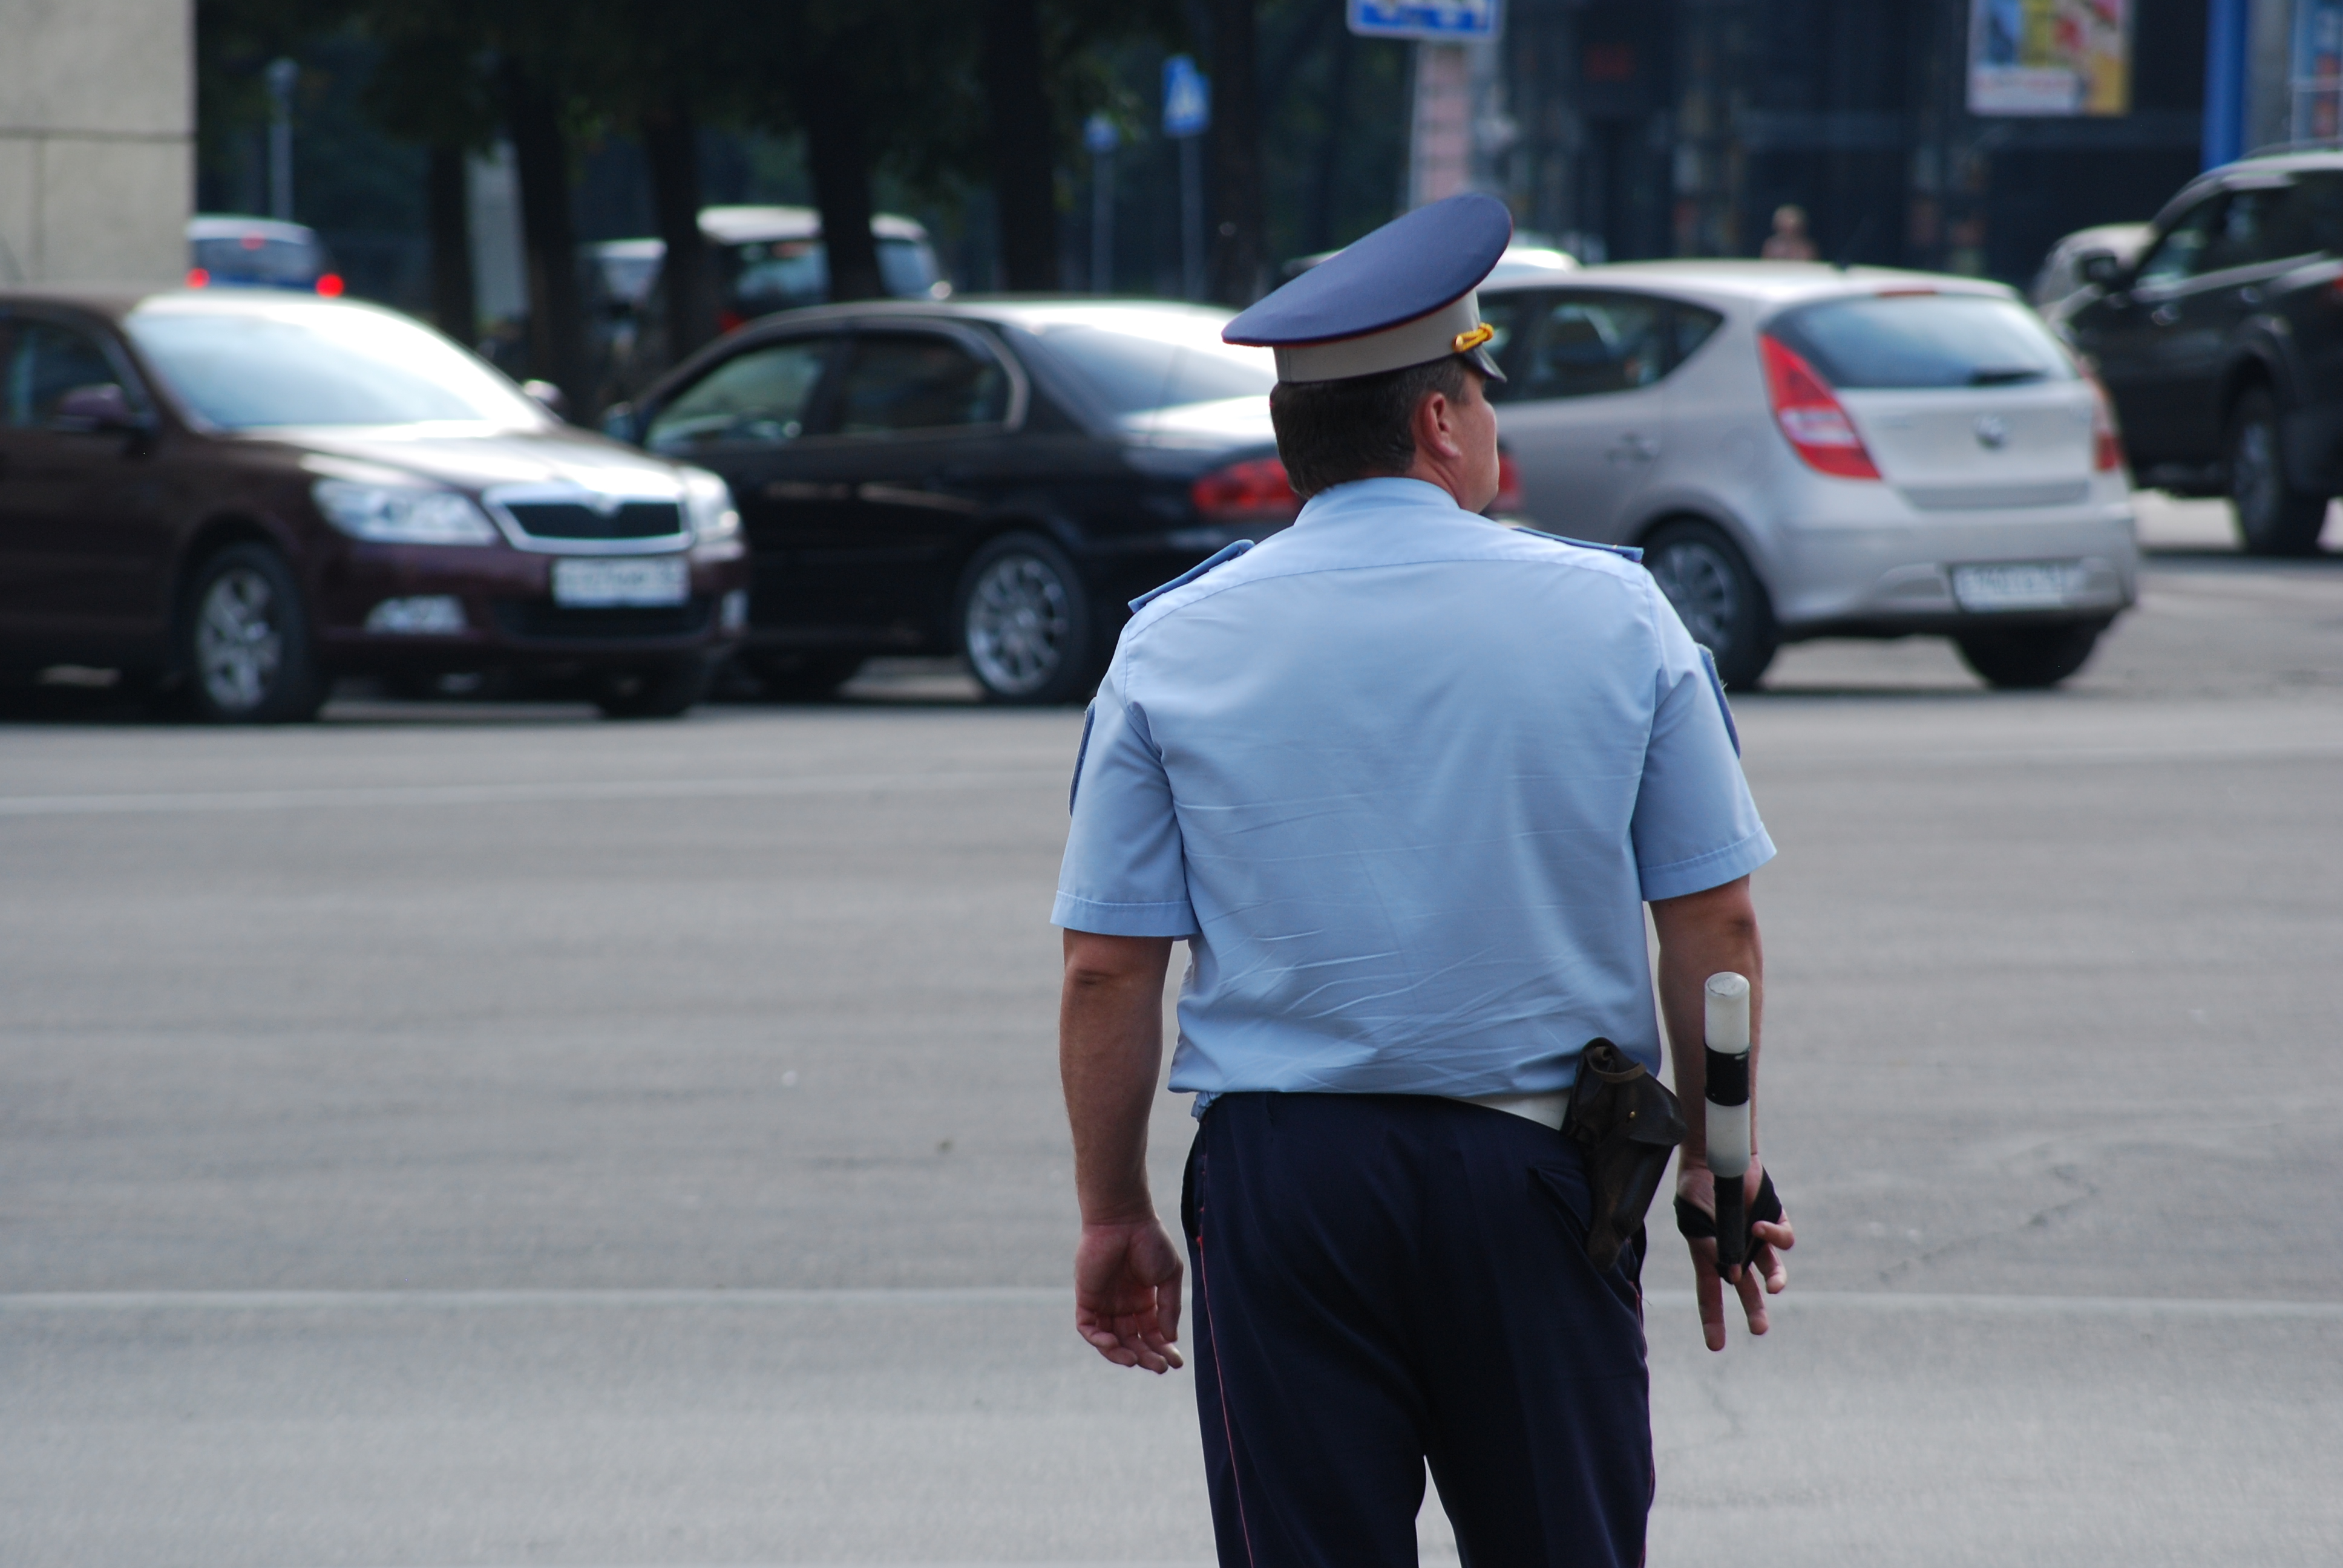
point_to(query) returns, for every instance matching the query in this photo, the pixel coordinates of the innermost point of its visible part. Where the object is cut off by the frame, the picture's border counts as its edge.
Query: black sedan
(994, 478)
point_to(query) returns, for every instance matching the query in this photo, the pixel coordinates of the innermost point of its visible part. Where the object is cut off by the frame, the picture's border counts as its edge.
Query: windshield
(318, 365)
(1924, 341)
(1139, 360)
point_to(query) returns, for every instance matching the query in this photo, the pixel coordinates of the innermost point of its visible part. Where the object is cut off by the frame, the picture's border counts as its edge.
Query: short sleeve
(1695, 826)
(1124, 874)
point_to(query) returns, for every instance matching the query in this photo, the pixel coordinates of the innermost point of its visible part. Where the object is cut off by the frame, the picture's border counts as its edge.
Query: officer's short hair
(1361, 428)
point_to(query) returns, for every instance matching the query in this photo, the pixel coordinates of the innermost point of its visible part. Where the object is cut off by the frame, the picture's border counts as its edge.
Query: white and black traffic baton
(1727, 1094)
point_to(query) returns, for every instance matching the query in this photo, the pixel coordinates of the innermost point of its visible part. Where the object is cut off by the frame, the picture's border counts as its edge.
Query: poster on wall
(2050, 57)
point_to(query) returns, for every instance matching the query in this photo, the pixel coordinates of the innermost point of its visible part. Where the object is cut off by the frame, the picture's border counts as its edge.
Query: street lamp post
(282, 76)
(1187, 114)
(1101, 137)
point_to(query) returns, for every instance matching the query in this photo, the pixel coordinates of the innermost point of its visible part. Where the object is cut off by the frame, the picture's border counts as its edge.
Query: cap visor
(1483, 362)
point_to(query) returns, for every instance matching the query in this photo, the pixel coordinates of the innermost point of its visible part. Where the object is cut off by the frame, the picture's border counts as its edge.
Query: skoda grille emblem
(1992, 435)
(606, 506)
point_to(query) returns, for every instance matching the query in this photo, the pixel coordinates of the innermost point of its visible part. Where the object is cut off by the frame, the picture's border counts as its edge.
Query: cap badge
(1465, 342)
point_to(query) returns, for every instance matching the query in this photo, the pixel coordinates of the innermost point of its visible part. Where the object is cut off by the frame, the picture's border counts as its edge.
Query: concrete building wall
(96, 140)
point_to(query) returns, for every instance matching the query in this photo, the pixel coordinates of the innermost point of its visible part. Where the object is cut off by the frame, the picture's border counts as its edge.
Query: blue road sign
(1100, 135)
(1430, 21)
(1187, 98)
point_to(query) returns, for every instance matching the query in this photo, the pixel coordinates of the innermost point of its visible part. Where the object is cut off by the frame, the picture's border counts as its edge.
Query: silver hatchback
(1804, 451)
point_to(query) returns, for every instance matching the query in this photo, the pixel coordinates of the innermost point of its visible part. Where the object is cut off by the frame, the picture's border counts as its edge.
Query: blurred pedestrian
(1789, 241)
(1403, 780)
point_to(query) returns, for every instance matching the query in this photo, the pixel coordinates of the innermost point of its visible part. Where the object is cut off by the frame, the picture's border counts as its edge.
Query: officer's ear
(1435, 424)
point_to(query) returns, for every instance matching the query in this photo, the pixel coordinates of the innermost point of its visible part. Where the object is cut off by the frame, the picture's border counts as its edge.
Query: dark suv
(2222, 344)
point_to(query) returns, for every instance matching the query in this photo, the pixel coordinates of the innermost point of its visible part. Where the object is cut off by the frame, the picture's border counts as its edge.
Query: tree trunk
(1024, 181)
(1326, 180)
(671, 145)
(548, 238)
(838, 156)
(1239, 268)
(446, 194)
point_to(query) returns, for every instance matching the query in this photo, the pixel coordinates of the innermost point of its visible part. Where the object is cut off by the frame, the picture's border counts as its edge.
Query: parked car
(1518, 264)
(770, 258)
(762, 259)
(226, 251)
(1807, 451)
(2223, 345)
(2069, 266)
(234, 496)
(997, 476)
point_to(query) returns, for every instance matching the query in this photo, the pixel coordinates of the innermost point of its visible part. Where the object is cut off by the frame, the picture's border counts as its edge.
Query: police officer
(1403, 780)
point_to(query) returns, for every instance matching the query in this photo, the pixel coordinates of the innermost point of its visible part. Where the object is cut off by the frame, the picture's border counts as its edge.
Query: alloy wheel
(1020, 621)
(239, 644)
(1700, 583)
(2254, 470)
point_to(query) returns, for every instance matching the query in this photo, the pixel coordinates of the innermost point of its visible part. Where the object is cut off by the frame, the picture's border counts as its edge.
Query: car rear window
(1158, 362)
(1924, 341)
(788, 274)
(256, 258)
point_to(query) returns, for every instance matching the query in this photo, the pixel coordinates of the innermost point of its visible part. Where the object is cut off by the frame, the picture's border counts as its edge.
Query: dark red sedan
(232, 498)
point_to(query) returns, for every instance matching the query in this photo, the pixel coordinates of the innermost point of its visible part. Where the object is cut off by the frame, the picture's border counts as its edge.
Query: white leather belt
(1546, 1110)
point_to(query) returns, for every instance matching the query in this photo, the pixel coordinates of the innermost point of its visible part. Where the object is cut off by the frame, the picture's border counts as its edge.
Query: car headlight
(715, 521)
(707, 503)
(402, 515)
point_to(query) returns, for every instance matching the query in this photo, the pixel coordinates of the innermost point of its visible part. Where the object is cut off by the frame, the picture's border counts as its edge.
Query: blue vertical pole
(2227, 22)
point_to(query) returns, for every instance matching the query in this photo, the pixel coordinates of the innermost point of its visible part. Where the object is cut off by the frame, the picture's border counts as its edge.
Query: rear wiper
(2003, 374)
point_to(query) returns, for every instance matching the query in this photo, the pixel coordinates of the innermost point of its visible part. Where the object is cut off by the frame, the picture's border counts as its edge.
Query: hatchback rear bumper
(1894, 577)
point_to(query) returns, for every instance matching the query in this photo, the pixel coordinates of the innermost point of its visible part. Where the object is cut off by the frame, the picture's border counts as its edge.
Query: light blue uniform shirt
(1403, 777)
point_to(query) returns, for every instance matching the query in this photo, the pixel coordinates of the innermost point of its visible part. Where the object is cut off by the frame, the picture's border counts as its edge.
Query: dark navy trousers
(1383, 1279)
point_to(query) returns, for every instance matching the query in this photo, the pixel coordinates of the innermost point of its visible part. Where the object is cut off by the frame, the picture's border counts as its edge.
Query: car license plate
(2022, 585)
(642, 581)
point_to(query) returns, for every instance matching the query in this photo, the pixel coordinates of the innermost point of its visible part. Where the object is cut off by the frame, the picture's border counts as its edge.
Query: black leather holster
(1624, 1123)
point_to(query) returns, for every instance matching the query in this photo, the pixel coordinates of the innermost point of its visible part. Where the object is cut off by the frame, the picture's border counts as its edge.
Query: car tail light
(330, 284)
(1509, 485)
(1252, 491)
(1816, 425)
(2106, 444)
(198, 278)
(729, 321)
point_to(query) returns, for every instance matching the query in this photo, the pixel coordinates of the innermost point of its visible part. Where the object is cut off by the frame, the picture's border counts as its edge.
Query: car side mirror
(96, 410)
(547, 396)
(618, 422)
(2103, 269)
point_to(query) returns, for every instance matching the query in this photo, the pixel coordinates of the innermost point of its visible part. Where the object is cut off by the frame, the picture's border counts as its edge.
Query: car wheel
(664, 691)
(2273, 518)
(1025, 622)
(2029, 657)
(244, 642)
(802, 677)
(1706, 576)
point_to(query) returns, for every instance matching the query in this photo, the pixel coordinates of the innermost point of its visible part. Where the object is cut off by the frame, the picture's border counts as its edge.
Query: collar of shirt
(1338, 501)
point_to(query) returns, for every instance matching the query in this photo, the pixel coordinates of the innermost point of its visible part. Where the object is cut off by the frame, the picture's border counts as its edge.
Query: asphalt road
(469, 1135)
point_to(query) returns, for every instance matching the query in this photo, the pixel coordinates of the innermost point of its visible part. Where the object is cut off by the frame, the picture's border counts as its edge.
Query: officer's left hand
(1127, 1294)
(1696, 1185)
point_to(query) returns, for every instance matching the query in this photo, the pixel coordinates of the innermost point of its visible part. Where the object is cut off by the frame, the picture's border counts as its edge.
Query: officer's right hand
(1764, 1275)
(1127, 1294)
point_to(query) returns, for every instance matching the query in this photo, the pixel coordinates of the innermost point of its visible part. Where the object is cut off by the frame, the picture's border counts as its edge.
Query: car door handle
(2165, 314)
(1634, 449)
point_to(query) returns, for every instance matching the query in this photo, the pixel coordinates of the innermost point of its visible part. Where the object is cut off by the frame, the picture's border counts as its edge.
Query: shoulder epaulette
(1218, 557)
(1625, 552)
